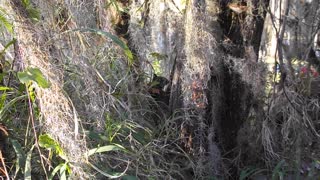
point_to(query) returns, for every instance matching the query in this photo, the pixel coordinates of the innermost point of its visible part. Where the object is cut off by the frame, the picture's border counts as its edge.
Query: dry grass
(291, 129)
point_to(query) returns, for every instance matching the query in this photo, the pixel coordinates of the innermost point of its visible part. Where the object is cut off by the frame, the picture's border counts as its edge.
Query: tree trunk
(212, 84)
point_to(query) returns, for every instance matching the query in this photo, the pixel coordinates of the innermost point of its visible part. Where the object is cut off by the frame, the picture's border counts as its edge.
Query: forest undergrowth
(76, 103)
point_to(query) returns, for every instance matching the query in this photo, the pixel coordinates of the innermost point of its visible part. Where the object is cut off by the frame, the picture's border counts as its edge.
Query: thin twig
(4, 166)
(34, 131)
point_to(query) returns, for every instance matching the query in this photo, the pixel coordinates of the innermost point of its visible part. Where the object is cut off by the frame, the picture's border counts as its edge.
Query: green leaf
(4, 21)
(105, 149)
(55, 170)
(33, 13)
(96, 136)
(33, 74)
(3, 100)
(47, 142)
(9, 104)
(7, 45)
(277, 170)
(141, 136)
(118, 8)
(247, 173)
(4, 88)
(27, 168)
(26, 3)
(111, 175)
(32, 93)
(114, 38)
(21, 157)
(63, 170)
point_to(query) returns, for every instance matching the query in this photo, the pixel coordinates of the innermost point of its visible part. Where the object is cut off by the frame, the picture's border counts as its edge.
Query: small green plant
(114, 3)
(21, 156)
(47, 142)
(7, 46)
(4, 20)
(278, 172)
(115, 39)
(33, 13)
(104, 149)
(115, 139)
(21, 95)
(112, 128)
(157, 58)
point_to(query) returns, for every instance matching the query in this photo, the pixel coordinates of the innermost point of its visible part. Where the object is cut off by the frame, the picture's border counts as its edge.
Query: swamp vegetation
(160, 89)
